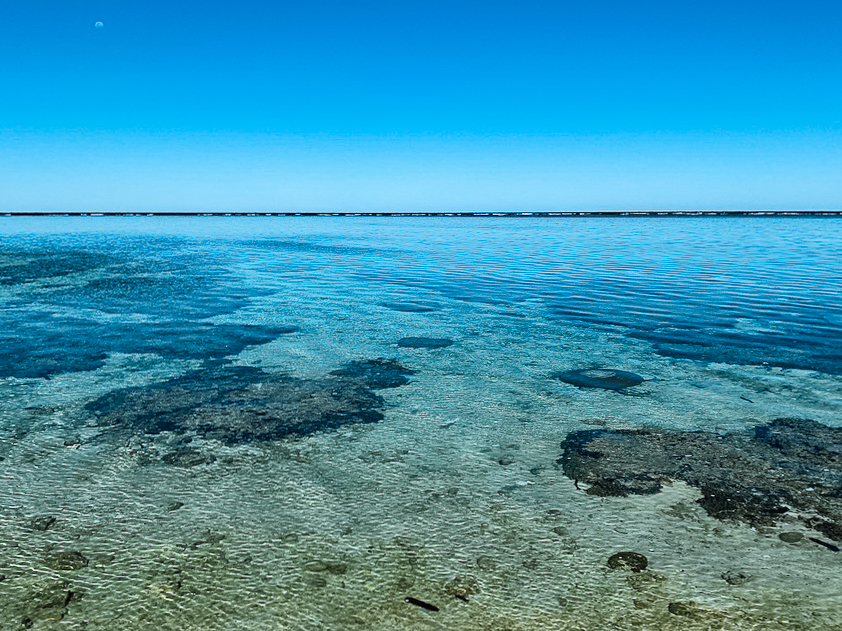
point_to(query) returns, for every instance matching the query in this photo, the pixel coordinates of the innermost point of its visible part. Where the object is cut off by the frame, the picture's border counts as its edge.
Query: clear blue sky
(405, 105)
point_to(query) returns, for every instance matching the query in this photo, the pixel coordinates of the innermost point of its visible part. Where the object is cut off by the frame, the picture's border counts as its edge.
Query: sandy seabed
(454, 498)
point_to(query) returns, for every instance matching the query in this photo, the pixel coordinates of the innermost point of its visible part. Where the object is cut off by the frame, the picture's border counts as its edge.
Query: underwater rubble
(237, 404)
(788, 468)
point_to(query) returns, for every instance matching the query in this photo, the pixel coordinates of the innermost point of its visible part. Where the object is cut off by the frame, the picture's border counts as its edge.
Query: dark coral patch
(424, 342)
(21, 266)
(802, 439)
(804, 348)
(376, 373)
(605, 378)
(633, 561)
(238, 404)
(783, 465)
(63, 344)
(122, 305)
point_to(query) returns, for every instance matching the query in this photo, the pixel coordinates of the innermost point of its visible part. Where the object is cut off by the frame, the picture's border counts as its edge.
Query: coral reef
(238, 404)
(788, 465)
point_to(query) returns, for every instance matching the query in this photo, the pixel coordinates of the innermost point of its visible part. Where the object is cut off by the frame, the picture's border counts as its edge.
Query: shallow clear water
(262, 423)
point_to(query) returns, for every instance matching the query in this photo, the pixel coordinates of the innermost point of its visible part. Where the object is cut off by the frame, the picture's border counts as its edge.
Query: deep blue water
(760, 291)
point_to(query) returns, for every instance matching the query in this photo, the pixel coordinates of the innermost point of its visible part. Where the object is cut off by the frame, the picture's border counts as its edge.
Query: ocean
(487, 423)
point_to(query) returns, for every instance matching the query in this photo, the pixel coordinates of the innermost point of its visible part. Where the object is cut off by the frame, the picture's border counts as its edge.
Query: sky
(273, 106)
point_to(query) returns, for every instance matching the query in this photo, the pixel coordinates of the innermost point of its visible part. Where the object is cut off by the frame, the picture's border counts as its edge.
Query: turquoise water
(299, 423)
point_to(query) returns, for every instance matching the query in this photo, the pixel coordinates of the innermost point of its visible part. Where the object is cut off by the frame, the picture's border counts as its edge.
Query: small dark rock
(188, 458)
(211, 538)
(377, 374)
(462, 587)
(333, 567)
(644, 580)
(688, 609)
(66, 560)
(605, 378)
(633, 561)
(424, 342)
(531, 564)
(790, 537)
(486, 563)
(42, 523)
(405, 582)
(736, 578)
(830, 529)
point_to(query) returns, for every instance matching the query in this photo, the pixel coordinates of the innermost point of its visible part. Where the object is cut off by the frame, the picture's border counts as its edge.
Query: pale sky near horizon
(434, 106)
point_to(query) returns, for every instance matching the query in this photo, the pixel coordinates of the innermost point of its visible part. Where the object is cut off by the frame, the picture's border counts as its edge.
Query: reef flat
(788, 470)
(237, 404)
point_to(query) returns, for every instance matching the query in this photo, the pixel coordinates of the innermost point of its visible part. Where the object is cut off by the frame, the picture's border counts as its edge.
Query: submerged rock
(462, 587)
(376, 374)
(187, 458)
(66, 560)
(240, 404)
(605, 378)
(48, 603)
(755, 478)
(333, 567)
(644, 580)
(424, 342)
(804, 440)
(790, 537)
(633, 561)
(42, 522)
(687, 609)
(735, 578)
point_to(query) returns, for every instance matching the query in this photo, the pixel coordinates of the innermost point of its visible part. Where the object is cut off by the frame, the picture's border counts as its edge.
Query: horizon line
(572, 213)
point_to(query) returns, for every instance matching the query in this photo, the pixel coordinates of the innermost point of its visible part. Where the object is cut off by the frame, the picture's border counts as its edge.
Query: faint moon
(99, 25)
